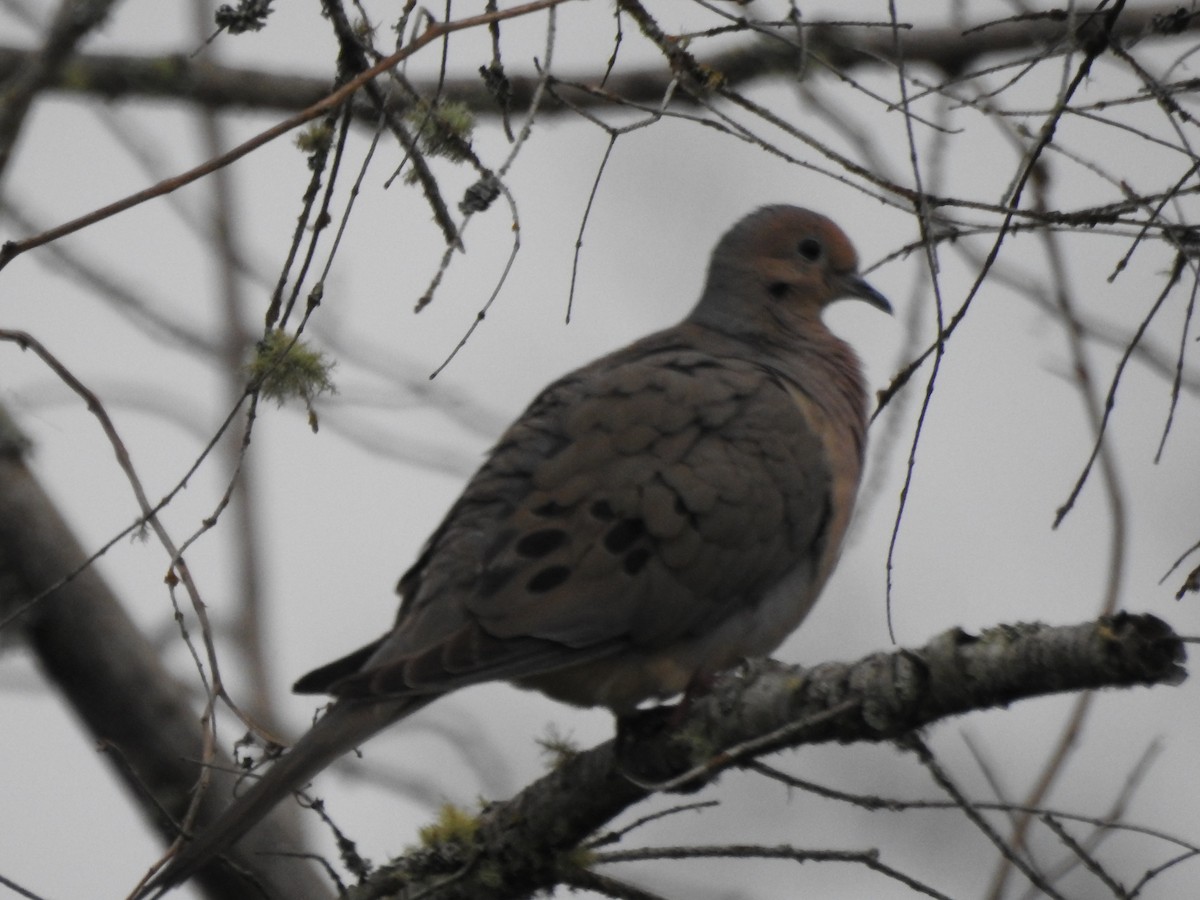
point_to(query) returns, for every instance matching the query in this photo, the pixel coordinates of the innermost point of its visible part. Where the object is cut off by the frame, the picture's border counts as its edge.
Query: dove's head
(780, 265)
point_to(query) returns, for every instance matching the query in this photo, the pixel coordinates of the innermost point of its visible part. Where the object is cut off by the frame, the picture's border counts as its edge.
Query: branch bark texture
(527, 843)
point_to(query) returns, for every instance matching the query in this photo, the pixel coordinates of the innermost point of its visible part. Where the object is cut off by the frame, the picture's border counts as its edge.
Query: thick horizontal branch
(180, 77)
(768, 706)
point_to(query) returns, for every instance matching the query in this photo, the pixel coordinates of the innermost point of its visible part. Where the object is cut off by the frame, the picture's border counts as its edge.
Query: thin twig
(13, 249)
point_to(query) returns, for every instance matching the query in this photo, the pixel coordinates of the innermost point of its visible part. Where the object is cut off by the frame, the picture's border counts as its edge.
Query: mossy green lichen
(557, 747)
(453, 825)
(444, 128)
(316, 138)
(286, 368)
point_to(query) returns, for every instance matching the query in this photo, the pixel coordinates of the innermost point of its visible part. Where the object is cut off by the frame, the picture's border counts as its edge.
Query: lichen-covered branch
(526, 843)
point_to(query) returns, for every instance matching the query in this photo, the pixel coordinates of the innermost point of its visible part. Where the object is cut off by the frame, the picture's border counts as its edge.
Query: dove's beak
(856, 286)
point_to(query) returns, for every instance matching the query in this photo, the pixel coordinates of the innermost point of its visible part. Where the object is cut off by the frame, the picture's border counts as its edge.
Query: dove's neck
(807, 355)
(824, 368)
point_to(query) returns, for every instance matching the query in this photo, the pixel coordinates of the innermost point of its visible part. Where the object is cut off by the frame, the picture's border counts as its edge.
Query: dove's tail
(345, 726)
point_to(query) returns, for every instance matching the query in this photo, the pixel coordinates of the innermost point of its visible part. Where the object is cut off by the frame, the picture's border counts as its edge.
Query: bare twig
(434, 32)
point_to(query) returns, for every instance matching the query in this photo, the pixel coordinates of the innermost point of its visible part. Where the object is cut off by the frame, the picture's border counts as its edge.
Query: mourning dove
(651, 519)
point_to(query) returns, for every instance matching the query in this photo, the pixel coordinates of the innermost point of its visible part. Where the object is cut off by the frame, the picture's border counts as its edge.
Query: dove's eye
(810, 249)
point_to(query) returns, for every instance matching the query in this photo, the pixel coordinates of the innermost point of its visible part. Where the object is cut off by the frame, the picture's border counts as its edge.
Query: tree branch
(843, 47)
(767, 706)
(73, 21)
(113, 679)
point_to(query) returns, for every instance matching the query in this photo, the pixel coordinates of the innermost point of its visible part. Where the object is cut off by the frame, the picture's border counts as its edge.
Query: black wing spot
(539, 543)
(623, 535)
(777, 289)
(548, 579)
(603, 511)
(636, 560)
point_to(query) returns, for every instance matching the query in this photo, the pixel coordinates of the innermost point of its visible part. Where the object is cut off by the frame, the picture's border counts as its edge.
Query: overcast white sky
(1004, 440)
